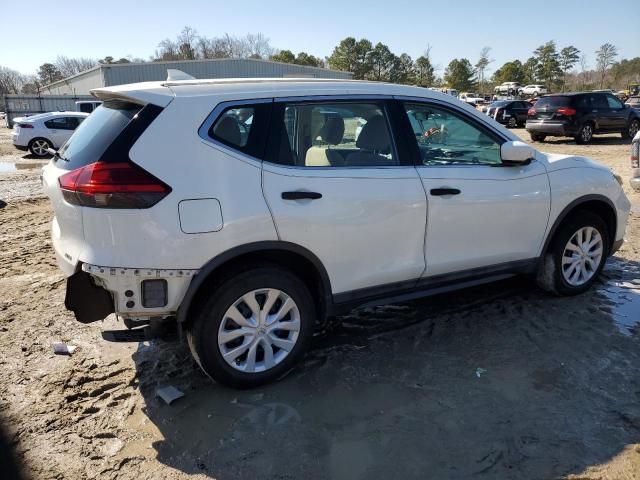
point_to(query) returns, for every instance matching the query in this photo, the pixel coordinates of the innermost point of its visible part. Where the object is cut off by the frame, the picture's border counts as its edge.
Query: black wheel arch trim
(254, 247)
(569, 208)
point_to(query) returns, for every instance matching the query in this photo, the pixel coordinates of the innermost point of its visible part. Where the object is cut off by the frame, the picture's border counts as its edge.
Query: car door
(600, 112)
(617, 114)
(481, 213)
(56, 131)
(338, 184)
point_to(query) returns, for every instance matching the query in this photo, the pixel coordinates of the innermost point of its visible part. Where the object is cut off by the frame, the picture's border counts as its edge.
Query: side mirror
(516, 153)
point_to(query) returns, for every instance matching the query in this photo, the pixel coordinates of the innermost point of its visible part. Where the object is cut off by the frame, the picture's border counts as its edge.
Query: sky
(453, 29)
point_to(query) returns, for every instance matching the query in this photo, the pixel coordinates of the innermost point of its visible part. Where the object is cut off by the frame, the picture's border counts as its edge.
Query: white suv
(535, 90)
(250, 210)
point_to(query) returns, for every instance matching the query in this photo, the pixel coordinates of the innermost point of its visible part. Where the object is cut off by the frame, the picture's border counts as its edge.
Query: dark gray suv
(581, 115)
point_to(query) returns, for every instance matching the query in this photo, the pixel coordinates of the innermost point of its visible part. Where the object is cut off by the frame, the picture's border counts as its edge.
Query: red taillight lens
(25, 125)
(567, 111)
(112, 185)
(531, 112)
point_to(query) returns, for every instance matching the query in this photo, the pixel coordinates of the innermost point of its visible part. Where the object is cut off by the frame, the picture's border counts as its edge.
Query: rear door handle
(444, 191)
(300, 195)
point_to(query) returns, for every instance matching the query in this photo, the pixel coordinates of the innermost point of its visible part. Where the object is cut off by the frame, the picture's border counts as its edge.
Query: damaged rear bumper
(95, 291)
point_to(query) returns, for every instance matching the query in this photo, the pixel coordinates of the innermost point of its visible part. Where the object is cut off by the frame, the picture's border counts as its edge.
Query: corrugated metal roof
(122, 73)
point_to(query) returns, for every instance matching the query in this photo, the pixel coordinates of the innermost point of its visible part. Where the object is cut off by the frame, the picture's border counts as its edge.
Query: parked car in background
(535, 90)
(471, 98)
(507, 88)
(87, 106)
(166, 213)
(633, 102)
(581, 115)
(634, 181)
(38, 133)
(511, 113)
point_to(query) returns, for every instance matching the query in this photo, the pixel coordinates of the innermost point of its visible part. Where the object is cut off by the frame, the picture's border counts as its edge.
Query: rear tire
(585, 134)
(218, 332)
(38, 147)
(512, 123)
(537, 137)
(575, 256)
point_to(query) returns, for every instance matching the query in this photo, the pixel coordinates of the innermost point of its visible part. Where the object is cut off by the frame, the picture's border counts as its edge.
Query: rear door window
(599, 102)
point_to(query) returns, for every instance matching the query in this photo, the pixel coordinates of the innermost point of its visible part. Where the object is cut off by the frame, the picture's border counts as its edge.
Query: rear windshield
(95, 134)
(553, 102)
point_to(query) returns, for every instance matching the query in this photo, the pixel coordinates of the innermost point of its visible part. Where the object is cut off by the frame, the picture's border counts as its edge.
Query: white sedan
(47, 130)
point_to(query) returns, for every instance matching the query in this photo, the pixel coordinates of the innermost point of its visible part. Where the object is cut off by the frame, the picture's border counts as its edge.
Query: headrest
(333, 130)
(228, 130)
(374, 135)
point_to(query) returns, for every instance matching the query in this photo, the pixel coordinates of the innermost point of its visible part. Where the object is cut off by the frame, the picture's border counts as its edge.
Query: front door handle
(301, 195)
(444, 191)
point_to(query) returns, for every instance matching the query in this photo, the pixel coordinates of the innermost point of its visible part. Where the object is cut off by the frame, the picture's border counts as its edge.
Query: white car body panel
(368, 228)
(476, 228)
(372, 227)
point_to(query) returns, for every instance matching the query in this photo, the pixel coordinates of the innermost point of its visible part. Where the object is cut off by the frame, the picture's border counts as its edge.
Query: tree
(423, 69)
(304, 58)
(72, 66)
(403, 70)
(459, 75)
(482, 64)
(530, 70)
(569, 56)
(11, 81)
(49, 73)
(284, 56)
(626, 72)
(548, 70)
(382, 62)
(509, 72)
(605, 57)
(352, 56)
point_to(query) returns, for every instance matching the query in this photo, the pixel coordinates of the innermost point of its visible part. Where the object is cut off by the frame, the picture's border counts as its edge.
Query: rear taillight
(567, 111)
(112, 185)
(25, 125)
(531, 112)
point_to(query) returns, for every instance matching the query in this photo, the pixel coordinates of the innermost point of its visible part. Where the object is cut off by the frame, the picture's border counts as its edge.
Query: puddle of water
(7, 167)
(625, 297)
(12, 167)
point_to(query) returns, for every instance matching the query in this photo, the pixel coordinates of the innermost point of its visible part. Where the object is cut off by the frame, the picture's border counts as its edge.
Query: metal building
(107, 75)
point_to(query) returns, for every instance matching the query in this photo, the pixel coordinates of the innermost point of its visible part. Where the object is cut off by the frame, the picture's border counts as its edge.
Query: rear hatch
(554, 108)
(89, 144)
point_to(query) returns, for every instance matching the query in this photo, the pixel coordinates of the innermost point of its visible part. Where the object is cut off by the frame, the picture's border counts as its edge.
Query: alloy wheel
(633, 129)
(259, 330)
(512, 122)
(586, 133)
(582, 256)
(40, 147)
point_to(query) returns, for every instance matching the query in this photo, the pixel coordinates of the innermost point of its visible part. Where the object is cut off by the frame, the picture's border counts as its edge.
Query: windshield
(96, 133)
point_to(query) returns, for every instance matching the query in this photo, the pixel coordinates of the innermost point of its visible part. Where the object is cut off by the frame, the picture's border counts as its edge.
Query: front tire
(254, 328)
(576, 255)
(512, 123)
(39, 146)
(632, 129)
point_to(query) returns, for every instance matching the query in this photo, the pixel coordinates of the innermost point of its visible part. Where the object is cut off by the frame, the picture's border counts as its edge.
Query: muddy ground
(499, 381)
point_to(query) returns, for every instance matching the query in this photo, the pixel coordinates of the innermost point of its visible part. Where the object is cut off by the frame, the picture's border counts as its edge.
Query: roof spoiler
(174, 75)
